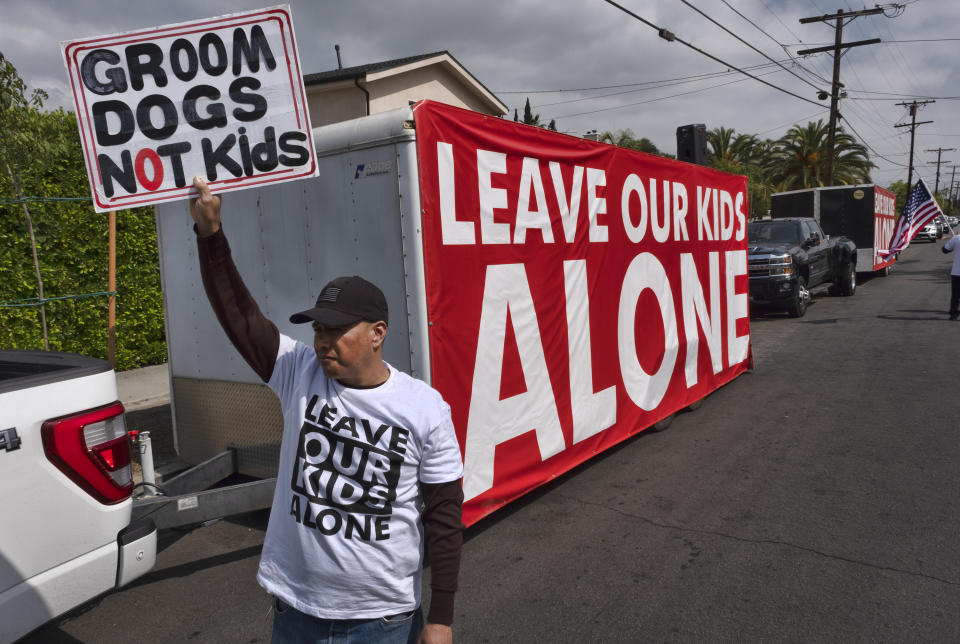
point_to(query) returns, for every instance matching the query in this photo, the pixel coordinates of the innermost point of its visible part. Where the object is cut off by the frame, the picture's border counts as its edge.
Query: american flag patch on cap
(329, 294)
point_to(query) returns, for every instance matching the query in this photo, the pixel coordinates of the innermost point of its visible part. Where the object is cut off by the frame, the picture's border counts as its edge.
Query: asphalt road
(816, 499)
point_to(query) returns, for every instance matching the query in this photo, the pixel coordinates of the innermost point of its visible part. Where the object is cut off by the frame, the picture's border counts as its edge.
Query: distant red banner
(577, 293)
(884, 220)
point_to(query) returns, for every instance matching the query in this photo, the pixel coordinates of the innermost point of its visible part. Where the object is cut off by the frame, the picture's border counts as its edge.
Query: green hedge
(72, 249)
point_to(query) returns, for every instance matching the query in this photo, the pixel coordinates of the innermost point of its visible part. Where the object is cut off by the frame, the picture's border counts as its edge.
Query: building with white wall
(352, 92)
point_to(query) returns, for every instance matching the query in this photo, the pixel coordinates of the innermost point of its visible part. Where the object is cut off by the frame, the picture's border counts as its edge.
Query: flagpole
(911, 229)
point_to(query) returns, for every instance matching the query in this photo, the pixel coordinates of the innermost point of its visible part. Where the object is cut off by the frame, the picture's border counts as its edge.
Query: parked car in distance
(930, 232)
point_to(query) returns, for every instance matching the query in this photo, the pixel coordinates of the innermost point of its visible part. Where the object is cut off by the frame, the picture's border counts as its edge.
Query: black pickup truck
(789, 257)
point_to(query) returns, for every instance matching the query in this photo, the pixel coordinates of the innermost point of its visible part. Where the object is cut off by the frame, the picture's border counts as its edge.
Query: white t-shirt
(344, 540)
(952, 244)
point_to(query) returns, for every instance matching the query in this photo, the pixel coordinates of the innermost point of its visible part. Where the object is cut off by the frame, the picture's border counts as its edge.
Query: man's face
(349, 353)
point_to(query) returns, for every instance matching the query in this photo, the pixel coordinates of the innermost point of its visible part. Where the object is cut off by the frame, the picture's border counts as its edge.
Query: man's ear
(378, 333)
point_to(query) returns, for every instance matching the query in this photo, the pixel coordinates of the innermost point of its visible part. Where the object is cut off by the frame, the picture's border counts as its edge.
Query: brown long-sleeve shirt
(258, 341)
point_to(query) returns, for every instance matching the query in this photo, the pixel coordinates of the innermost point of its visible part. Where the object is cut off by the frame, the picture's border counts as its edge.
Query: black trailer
(864, 213)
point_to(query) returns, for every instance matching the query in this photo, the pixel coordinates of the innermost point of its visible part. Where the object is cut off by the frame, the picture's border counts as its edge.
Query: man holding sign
(364, 447)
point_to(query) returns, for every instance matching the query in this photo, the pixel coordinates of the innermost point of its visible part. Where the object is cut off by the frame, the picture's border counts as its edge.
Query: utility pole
(953, 175)
(913, 130)
(842, 18)
(940, 151)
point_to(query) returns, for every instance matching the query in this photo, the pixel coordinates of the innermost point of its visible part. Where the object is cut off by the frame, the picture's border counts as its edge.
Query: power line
(939, 152)
(868, 113)
(835, 85)
(599, 87)
(923, 40)
(872, 120)
(778, 20)
(870, 147)
(631, 91)
(669, 36)
(913, 129)
(935, 98)
(758, 28)
(867, 91)
(882, 120)
(779, 44)
(885, 42)
(748, 44)
(661, 98)
(793, 122)
(814, 74)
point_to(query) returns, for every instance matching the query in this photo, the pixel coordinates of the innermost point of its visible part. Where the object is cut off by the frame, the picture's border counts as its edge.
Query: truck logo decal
(373, 169)
(9, 439)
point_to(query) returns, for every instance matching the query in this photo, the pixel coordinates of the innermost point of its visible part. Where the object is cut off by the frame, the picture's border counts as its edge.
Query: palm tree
(721, 142)
(851, 162)
(626, 139)
(801, 154)
(748, 155)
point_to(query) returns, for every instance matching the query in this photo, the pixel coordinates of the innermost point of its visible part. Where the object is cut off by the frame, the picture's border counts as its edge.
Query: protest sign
(577, 293)
(222, 98)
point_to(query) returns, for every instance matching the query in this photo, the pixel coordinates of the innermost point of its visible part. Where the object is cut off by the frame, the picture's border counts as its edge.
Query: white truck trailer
(561, 294)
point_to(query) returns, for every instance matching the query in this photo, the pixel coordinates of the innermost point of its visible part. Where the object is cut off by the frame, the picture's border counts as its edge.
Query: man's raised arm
(254, 336)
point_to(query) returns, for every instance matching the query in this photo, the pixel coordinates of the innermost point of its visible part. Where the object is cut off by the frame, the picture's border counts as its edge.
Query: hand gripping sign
(222, 98)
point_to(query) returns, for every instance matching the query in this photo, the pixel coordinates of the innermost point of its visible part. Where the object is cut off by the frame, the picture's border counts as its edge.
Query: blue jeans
(954, 296)
(290, 626)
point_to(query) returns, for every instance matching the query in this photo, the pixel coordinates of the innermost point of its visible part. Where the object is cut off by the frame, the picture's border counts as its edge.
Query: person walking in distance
(369, 467)
(951, 246)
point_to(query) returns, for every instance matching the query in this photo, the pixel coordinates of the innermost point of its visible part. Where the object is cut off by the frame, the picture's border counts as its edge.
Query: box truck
(864, 213)
(561, 294)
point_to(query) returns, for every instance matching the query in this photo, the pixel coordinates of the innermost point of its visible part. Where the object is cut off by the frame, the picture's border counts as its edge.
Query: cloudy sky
(591, 66)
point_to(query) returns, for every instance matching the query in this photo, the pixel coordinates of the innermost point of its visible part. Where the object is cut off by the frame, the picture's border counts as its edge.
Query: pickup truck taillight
(92, 449)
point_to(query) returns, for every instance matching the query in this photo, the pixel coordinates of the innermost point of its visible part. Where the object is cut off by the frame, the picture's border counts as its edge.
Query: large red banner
(577, 293)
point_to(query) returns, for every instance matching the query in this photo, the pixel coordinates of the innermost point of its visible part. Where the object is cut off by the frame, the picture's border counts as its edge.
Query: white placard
(222, 98)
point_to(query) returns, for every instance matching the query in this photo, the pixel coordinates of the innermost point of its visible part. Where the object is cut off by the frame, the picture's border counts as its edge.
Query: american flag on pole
(921, 208)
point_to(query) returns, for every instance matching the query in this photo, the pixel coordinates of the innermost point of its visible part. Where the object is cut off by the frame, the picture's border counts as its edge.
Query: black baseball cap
(346, 300)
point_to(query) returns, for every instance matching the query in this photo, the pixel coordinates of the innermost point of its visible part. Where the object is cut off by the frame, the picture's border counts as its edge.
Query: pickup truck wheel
(799, 305)
(848, 280)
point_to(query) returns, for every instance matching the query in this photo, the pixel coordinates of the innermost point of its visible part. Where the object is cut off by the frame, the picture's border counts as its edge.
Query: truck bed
(67, 534)
(24, 369)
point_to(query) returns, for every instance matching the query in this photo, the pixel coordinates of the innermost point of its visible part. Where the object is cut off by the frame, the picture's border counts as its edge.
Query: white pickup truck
(65, 480)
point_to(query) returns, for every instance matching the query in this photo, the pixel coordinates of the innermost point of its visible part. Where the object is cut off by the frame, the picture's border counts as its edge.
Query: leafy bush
(40, 155)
